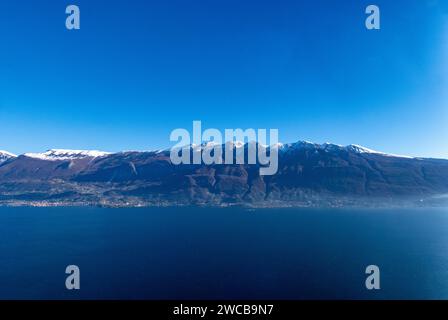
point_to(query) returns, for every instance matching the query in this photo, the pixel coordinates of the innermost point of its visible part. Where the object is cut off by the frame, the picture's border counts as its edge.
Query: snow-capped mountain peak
(360, 149)
(65, 154)
(331, 147)
(5, 155)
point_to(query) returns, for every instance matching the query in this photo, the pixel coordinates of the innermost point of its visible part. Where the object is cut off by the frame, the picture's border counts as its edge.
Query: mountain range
(309, 175)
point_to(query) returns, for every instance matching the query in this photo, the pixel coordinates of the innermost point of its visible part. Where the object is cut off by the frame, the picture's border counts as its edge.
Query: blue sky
(139, 69)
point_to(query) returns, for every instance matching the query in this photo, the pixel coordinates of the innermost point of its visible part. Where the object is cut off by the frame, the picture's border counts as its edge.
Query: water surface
(200, 253)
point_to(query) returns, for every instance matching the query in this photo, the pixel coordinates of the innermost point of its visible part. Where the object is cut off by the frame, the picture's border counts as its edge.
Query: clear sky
(139, 69)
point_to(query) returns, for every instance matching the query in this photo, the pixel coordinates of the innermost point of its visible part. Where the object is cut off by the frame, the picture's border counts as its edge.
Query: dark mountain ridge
(308, 175)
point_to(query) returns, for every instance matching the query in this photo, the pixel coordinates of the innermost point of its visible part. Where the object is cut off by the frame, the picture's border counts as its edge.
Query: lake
(228, 253)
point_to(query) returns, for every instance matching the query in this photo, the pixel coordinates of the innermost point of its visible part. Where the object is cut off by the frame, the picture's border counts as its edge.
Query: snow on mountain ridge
(8, 154)
(5, 155)
(361, 149)
(336, 147)
(65, 154)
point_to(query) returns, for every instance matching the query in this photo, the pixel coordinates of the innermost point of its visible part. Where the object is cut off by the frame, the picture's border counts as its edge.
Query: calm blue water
(190, 253)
